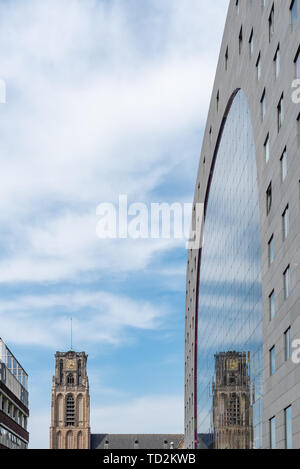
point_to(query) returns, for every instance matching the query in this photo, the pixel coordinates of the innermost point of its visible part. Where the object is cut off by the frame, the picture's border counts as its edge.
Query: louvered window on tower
(70, 411)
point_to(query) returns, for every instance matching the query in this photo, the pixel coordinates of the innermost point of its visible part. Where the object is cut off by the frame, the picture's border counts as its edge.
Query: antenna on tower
(71, 335)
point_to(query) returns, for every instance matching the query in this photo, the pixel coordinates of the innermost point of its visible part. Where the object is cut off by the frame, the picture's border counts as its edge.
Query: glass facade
(229, 335)
(12, 374)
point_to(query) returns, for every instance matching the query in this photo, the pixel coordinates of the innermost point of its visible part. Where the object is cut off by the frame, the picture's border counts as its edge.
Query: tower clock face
(233, 365)
(71, 364)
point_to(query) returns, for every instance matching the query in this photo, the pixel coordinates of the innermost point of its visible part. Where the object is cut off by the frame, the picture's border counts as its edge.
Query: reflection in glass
(229, 372)
(232, 411)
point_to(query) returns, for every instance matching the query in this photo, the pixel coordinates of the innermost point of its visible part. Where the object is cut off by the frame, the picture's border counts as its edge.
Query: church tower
(70, 407)
(232, 409)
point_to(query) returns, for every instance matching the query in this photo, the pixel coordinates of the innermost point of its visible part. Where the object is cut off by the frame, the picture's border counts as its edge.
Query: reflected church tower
(70, 407)
(232, 410)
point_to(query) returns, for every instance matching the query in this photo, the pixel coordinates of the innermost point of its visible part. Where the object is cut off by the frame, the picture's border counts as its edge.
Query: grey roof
(145, 441)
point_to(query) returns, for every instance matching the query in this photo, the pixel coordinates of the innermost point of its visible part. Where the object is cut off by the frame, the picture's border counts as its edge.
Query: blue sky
(103, 98)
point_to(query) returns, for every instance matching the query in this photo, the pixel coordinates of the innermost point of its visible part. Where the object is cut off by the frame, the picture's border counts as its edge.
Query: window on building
(283, 164)
(61, 375)
(280, 113)
(258, 67)
(288, 421)
(277, 62)
(294, 13)
(79, 373)
(297, 64)
(218, 100)
(267, 149)
(271, 250)
(272, 361)
(272, 305)
(287, 281)
(251, 43)
(263, 105)
(70, 411)
(271, 23)
(285, 223)
(269, 198)
(288, 344)
(237, 3)
(241, 40)
(226, 58)
(70, 380)
(272, 425)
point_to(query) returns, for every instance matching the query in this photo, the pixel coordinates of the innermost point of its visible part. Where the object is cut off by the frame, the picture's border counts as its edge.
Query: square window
(263, 105)
(269, 198)
(294, 13)
(288, 421)
(226, 59)
(288, 344)
(277, 62)
(271, 251)
(271, 23)
(287, 282)
(267, 149)
(297, 64)
(241, 40)
(258, 68)
(272, 361)
(251, 43)
(280, 113)
(283, 163)
(272, 305)
(285, 223)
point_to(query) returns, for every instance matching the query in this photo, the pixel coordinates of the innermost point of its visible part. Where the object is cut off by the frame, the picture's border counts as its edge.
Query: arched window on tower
(70, 411)
(70, 380)
(61, 375)
(79, 441)
(59, 410)
(69, 440)
(79, 373)
(59, 441)
(80, 409)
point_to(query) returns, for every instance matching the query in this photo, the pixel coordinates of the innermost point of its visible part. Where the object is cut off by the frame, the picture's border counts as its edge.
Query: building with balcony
(14, 406)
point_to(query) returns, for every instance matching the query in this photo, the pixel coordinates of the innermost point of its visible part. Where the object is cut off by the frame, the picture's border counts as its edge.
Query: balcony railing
(13, 384)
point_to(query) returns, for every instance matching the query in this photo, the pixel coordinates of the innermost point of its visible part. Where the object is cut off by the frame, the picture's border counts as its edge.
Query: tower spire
(71, 335)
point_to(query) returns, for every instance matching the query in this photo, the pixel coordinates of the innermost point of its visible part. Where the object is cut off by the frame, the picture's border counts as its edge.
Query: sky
(103, 97)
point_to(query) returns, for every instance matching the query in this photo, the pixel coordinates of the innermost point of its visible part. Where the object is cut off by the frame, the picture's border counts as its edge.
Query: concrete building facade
(242, 289)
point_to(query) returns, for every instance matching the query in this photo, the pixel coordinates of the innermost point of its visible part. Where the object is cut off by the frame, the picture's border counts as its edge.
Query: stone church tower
(70, 408)
(232, 409)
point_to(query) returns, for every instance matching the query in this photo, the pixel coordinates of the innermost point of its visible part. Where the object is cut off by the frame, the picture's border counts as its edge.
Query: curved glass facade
(229, 342)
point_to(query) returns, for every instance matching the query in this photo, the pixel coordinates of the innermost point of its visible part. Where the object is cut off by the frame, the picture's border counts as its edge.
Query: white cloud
(99, 317)
(91, 114)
